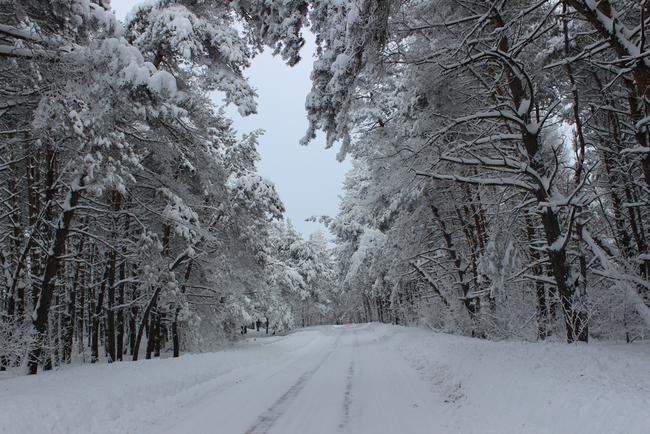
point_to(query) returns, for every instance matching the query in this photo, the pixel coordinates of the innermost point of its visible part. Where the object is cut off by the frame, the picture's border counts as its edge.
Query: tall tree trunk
(33, 208)
(96, 317)
(119, 345)
(580, 317)
(471, 303)
(121, 296)
(540, 291)
(52, 265)
(151, 334)
(116, 198)
(557, 253)
(72, 310)
(639, 85)
(80, 311)
(143, 322)
(133, 315)
(158, 337)
(175, 334)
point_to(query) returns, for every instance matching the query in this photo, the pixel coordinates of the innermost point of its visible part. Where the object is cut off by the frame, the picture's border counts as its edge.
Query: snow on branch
(494, 181)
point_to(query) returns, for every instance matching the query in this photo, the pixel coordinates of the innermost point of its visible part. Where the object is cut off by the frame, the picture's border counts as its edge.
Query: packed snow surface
(368, 378)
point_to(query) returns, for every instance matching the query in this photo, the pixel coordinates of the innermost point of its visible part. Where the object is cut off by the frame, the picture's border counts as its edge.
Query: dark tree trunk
(116, 198)
(151, 334)
(52, 265)
(72, 310)
(96, 316)
(119, 344)
(540, 290)
(175, 339)
(133, 329)
(175, 333)
(471, 303)
(110, 314)
(158, 336)
(143, 322)
(80, 312)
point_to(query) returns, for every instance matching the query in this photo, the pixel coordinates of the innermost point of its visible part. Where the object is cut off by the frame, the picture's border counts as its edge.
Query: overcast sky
(308, 178)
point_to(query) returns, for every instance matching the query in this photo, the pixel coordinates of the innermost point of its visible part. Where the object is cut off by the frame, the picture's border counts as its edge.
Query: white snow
(523, 107)
(162, 82)
(369, 378)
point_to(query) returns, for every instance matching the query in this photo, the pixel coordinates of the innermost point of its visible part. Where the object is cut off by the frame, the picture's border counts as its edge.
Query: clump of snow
(137, 74)
(162, 82)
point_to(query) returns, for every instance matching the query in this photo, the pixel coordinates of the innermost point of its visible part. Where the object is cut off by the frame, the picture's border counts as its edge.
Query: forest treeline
(133, 218)
(502, 162)
(500, 182)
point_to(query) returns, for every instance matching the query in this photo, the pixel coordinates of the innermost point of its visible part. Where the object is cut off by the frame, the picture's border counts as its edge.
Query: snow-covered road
(362, 379)
(345, 381)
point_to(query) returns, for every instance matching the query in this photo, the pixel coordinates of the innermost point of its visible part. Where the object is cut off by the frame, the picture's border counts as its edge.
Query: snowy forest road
(354, 379)
(345, 381)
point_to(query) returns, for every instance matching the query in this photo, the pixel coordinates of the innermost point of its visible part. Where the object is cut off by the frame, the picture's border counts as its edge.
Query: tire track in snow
(347, 397)
(266, 420)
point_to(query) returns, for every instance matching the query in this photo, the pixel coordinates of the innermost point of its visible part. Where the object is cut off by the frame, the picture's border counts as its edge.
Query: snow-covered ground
(369, 378)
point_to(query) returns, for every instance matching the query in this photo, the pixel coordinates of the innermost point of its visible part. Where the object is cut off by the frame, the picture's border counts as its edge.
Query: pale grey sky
(308, 178)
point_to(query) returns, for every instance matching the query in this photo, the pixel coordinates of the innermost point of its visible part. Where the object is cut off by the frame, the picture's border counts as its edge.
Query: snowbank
(511, 387)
